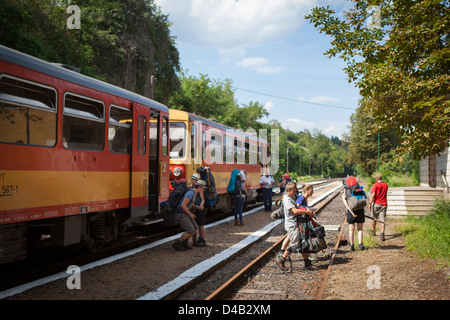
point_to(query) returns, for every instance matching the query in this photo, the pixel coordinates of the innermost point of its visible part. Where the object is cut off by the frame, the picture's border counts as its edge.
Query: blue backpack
(232, 183)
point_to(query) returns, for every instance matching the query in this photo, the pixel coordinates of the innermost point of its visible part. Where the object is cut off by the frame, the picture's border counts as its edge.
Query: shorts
(379, 212)
(359, 217)
(294, 237)
(187, 223)
(200, 216)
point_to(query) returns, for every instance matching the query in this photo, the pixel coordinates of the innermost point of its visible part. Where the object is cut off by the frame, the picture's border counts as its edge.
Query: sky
(272, 54)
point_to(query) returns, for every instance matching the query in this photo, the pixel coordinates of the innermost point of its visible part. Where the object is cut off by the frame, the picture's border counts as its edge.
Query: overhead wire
(294, 100)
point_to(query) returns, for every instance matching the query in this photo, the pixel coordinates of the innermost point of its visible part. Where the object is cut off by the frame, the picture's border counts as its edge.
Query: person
(240, 191)
(378, 203)
(200, 213)
(186, 220)
(194, 178)
(308, 191)
(290, 224)
(352, 218)
(282, 184)
(266, 183)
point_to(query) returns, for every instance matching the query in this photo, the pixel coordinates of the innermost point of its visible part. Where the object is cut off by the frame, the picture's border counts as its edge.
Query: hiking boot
(361, 247)
(241, 223)
(308, 263)
(185, 245)
(236, 223)
(382, 236)
(178, 246)
(352, 247)
(200, 243)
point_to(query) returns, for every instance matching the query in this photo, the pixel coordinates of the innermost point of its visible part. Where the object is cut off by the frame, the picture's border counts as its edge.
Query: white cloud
(260, 65)
(234, 25)
(269, 105)
(324, 100)
(329, 128)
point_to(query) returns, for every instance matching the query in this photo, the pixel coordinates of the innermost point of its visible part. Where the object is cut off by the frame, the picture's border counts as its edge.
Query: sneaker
(382, 237)
(280, 262)
(178, 246)
(361, 247)
(185, 245)
(352, 247)
(200, 243)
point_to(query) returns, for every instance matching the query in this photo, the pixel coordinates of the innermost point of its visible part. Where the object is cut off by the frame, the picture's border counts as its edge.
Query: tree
(403, 66)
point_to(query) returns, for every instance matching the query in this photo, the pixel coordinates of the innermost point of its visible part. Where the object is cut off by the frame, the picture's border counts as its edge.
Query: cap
(195, 176)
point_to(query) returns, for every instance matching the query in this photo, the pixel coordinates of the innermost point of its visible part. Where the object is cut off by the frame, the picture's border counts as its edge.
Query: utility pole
(287, 160)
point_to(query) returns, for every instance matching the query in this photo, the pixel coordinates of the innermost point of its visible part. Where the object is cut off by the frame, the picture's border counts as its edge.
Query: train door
(139, 162)
(164, 162)
(154, 134)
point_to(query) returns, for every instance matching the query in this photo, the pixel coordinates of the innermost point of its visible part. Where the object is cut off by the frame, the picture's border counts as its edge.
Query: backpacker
(211, 195)
(175, 197)
(356, 197)
(232, 183)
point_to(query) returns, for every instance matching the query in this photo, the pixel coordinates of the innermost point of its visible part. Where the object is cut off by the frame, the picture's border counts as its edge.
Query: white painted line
(204, 266)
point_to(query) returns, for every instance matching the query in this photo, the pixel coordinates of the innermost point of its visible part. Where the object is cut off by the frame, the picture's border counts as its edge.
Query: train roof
(30, 62)
(216, 124)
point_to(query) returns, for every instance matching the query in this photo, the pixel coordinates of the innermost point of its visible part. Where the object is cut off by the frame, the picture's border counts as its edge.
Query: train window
(247, 153)
(27, 112)
(142, 135)
(228, 152)
(83, 123)
(164, 138)
(194, 141)
(119, 131)
(215, 147)
(253, 153)
(238, 151)
(153, 136)
(177, 139)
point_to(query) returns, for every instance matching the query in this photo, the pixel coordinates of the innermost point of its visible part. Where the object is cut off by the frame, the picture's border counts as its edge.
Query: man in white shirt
(266, 183)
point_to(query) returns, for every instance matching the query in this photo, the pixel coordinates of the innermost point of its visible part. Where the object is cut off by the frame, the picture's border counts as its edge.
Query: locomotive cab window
(83, 123)
(119, 131)
(27, 112)
(177, 139)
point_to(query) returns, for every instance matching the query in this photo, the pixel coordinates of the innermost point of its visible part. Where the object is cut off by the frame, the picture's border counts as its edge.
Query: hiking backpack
(232, 183)
(175, 197)
(211, 195)
(356, 197)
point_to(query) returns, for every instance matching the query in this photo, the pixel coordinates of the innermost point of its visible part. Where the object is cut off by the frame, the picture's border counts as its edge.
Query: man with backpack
(186, 220)
(378, 203)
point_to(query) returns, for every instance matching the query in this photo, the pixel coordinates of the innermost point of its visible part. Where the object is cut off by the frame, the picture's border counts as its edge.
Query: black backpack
(175, 197)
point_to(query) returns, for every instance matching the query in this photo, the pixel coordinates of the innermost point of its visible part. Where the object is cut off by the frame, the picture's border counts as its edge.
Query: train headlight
(177, 172)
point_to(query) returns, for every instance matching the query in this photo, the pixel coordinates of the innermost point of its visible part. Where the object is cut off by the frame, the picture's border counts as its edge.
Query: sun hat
(201, 183)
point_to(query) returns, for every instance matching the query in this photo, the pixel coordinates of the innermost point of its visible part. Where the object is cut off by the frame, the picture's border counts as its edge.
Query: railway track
(162, 253)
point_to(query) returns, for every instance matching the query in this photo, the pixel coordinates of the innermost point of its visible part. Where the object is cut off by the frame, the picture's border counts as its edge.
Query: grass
(429, 236)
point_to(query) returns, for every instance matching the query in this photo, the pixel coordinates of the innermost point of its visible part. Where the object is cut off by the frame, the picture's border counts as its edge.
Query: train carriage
(79, 159)
(197, 141)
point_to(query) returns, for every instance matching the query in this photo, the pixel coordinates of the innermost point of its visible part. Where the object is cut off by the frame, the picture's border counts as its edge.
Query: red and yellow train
(80, 159)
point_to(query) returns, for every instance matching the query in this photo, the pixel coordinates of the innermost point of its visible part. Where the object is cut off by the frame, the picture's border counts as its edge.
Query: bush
(429, 236)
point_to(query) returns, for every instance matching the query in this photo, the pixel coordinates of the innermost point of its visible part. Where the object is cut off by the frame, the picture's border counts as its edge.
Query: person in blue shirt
(186, 220)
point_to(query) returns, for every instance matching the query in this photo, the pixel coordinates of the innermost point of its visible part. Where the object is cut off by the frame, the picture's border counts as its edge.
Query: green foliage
(430, 236)
(400, 66)
(123, 42)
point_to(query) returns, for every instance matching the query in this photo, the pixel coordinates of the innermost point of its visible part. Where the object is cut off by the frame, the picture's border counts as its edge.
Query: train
(81, 160)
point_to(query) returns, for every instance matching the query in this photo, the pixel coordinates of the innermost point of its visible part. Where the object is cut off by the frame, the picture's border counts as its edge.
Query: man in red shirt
(378, 203)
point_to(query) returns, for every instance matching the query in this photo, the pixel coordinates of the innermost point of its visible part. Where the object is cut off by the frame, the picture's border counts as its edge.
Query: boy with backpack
(354, 200)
